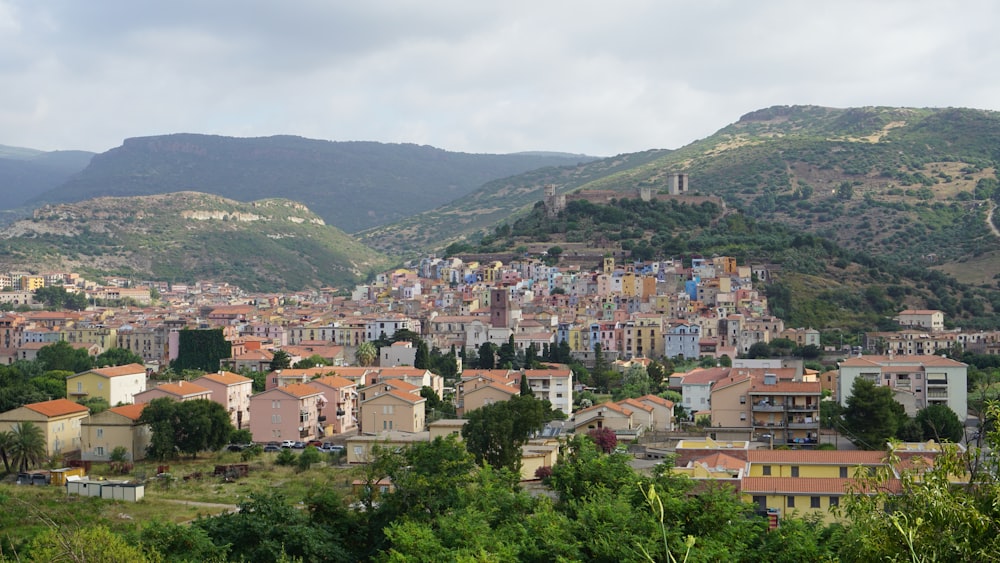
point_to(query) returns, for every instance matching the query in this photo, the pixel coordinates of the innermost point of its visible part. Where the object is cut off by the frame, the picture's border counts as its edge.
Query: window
(791, 502)
(359, 450)
(766, 470)
(275, 419)
(760, 501)
(743, 399)
(834, 501)
(387, 409)
(843, 473)
(795, 471)
(99, 450)
(743, 416)
(813, 502)
(275, 404)
(100, 432)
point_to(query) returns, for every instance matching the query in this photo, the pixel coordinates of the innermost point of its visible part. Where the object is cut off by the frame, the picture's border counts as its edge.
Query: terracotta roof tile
(57, 407)
(806, 485)
(814, 457)
(226, 378)
(129, 411)
(118, 371)
(300, 390)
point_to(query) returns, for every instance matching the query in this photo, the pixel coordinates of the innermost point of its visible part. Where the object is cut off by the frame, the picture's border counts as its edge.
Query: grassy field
(29, 510)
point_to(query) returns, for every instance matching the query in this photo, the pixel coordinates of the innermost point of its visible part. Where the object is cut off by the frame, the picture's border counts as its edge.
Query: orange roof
(118, 371)
(634, 403)
(408, 397)
(824, 457)
(132, 412)
(397, 384)
(506, 389)
(787, 387)
(612, 406)
(57, 407)
(225, 378)
(817, 485)
(720, 460)
(181, 389)
(658, 400)
(334, 381)
(300, 390)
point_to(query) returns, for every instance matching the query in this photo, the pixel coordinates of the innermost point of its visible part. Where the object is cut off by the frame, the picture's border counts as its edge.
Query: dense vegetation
(353, 185)
(590, 507)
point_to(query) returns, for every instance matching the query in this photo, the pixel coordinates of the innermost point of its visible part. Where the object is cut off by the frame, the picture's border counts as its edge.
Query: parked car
(288, 443)
(332, 448)
(315, 443)
(238, 447)
(299, 445)
(272, 447)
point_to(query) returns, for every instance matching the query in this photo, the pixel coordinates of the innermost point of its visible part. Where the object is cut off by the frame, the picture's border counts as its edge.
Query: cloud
(581, 76)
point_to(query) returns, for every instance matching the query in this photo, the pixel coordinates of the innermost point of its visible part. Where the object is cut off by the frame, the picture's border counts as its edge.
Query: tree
(63, 356)
(422, 359)
(97, 544)
(280, 360)
(186, 427)
(605, 439)
(635, 382)
(872, 416)
(6, 441)
(366, 354)
(117, 357)
(759, 350)
(487, 355)
(27, 447)
(526, 387)
(939, 422)
(507, 357)
(531, 356)
(310, 362)
(495, 433)
(308, 457)
(95, 404)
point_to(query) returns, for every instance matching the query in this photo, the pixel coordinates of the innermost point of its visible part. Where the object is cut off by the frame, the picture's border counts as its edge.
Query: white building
(931, 379)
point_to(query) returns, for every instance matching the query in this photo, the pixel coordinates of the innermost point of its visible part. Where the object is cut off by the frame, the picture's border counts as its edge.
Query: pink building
(340, 414)
(286, 413)
(233, 392)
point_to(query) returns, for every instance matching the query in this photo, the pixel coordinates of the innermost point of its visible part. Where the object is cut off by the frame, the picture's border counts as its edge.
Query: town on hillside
(350, 369)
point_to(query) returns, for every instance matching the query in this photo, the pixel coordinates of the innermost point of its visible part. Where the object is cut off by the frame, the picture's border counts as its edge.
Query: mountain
(352, 185)
(263, 245)
(24, 173)
(916, 185)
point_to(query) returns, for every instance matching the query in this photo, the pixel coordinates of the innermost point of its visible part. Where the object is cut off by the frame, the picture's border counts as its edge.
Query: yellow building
(116, 385)
(104, 337)
(118, 426)
(806, 482)
(31, 283)
(58, 419)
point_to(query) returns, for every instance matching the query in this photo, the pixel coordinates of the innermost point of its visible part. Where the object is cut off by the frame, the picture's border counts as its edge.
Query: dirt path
(989, 220)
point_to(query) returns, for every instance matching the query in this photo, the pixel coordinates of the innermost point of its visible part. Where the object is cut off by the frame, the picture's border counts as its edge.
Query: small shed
(60, 476)
(84, 487)
(111, 490)
(130, 492)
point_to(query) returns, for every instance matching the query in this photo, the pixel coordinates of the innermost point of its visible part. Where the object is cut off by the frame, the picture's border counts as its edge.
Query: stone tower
(554, 203)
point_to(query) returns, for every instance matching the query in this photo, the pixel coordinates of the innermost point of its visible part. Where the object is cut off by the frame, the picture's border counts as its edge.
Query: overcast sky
(579, 76)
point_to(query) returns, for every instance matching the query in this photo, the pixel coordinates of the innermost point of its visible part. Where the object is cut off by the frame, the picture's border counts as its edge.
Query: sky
(592, 77)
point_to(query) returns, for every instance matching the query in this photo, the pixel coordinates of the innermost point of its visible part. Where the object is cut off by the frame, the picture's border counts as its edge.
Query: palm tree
(366, 354)
(28, 447)
(6, 440)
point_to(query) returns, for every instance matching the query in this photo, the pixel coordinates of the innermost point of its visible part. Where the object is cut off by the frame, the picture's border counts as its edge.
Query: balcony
(767, 407)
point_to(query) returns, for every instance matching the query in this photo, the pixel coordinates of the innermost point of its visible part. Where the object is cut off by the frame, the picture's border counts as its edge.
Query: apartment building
(928, 380)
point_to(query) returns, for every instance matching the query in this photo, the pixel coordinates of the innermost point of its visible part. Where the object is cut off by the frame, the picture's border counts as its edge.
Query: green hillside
(262, 245)
(351, 185)
(911, 184)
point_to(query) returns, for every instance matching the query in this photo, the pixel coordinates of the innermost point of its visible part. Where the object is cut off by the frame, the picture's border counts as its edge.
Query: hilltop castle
(677, 185)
